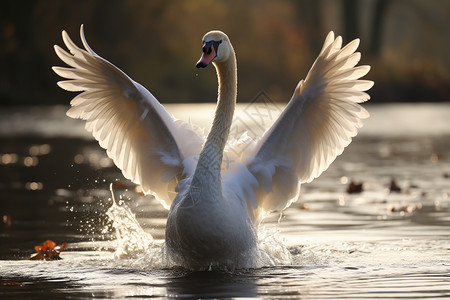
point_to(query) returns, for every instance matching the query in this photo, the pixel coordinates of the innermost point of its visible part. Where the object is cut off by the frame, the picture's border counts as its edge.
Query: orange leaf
(48, 245)
(12, 283)
(48, 251)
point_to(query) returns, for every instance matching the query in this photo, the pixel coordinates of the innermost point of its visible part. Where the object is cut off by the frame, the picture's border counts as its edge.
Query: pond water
(392, 240)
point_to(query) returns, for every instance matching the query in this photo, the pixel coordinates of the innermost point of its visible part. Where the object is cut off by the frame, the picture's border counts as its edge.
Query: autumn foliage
(48, 251)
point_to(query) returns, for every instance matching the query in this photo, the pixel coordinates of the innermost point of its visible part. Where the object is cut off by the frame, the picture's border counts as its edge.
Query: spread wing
(144, 141)
(317, 124)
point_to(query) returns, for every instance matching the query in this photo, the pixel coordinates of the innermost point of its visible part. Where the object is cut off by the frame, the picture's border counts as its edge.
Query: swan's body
(214, 213)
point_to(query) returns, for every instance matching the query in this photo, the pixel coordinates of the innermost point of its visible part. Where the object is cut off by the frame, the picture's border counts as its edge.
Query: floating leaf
(394, 187)
(4, 282)
(304, 207)
(48, 251)
(354, 188)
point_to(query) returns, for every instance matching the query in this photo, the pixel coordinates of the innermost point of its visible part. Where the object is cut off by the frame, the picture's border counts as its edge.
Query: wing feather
(317, 124)
(142, 139)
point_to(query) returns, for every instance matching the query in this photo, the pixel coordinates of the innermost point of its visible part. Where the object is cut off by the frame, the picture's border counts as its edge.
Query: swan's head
(216, 47)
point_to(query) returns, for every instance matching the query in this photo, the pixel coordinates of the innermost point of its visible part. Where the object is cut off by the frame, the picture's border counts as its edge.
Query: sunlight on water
(385, 241)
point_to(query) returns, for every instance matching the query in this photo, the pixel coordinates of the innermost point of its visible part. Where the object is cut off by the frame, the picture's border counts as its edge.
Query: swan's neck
(210, 159)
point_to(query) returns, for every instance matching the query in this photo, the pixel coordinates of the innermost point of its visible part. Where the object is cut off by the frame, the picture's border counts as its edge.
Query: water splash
(131, 239)
(133, 242)
(272, 249)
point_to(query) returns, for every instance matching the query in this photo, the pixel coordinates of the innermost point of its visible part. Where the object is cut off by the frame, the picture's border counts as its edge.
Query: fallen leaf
(394, 187)
(48, 251)
(304, 207)
(12, 283)
(354, 188)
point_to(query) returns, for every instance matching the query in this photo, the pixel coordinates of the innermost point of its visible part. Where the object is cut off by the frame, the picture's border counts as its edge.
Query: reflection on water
(383, 242)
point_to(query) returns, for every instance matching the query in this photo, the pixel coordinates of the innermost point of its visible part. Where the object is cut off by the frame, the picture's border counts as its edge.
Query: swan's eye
(208, 46)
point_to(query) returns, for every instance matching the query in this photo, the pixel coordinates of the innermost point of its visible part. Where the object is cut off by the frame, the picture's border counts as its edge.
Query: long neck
(210, 159)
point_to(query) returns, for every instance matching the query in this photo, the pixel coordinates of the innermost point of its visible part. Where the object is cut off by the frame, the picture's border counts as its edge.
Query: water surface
(381, 243)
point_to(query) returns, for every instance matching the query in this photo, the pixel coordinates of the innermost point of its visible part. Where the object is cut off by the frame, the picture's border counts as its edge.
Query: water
(54, 184)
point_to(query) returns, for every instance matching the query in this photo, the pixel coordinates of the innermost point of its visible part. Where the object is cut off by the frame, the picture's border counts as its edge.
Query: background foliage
(158, 43)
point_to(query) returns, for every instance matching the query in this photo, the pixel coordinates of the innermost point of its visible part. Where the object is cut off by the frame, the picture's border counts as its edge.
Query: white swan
(214, 213)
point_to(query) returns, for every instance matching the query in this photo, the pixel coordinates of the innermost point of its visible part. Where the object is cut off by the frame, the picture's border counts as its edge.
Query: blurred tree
(351, 22)
(18, 63)
(379, 14)
(158, 42)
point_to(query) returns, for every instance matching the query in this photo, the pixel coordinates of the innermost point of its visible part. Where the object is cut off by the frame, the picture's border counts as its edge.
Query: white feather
(138, 134)
(315, 127)
(154, 150)
(217, 208)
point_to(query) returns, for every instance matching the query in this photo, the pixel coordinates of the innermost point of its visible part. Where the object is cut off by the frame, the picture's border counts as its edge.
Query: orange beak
(207, 57)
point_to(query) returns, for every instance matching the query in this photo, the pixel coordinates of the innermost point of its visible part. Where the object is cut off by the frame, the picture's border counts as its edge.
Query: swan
(214, 212)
